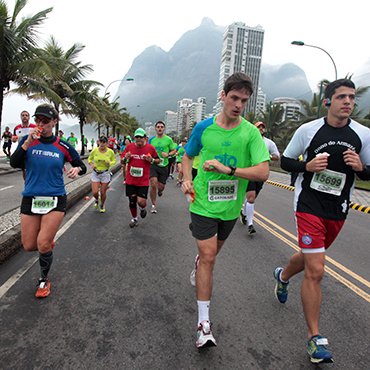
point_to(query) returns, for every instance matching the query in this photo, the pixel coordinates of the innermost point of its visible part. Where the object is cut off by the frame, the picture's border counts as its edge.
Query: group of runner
(223, 155)
(231, 153)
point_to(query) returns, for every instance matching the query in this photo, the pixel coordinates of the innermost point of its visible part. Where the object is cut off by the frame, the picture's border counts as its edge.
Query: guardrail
(355, 206)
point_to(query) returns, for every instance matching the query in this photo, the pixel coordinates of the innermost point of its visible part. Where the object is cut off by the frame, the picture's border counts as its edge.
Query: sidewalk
(5, 167)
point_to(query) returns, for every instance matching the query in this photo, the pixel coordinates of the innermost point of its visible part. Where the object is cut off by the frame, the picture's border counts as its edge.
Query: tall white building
(170, 119)
(198, 110)
(241, 52)
(183, 115)
(291, 108)
(261, 101)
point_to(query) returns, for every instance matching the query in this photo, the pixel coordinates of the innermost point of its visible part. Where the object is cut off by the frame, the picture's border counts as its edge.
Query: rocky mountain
(191, 70)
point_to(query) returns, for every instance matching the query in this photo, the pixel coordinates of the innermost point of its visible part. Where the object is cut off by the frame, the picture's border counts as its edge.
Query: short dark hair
(160, 122)
(330, 89)
(238, 81)
(103, 138)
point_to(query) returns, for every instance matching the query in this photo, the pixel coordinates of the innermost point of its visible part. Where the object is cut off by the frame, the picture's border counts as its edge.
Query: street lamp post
(110, 83)
(301, 43)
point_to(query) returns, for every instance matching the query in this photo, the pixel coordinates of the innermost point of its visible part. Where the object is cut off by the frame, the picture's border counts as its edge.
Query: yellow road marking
(330, 271)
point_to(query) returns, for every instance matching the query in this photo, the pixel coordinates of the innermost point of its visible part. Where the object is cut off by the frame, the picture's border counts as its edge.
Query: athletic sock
(249, 212)
(203, 311)
(281, 279)
(133, 212)
(45, 259)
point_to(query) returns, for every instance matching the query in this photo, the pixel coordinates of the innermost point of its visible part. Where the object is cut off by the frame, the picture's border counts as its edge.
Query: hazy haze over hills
(190, 70)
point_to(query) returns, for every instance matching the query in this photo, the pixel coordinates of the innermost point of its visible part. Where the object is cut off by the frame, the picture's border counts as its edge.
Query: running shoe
(194, 272)
(96, 204)
(243, 218)
(205, 337)
(281, 288)
(316, 349)
(160, 193)
(43, 288)
(154, 209)
(143, 213)
(102, 210)
(251, 230)
(133, 222)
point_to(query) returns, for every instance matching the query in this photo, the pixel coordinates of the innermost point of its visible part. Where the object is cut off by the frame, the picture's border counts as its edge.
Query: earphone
(327, 102)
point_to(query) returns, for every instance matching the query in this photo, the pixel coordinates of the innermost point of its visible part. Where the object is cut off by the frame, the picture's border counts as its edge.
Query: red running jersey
(138, 169)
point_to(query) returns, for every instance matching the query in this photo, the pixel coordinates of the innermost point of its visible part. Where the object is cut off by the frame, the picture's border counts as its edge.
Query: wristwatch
(233, 169)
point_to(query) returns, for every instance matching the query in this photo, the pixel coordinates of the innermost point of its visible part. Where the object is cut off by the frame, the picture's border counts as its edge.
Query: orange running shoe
(43, 289)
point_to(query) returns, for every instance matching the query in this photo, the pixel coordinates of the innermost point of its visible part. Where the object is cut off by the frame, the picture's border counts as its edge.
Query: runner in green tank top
(165, 147)
(231, 152)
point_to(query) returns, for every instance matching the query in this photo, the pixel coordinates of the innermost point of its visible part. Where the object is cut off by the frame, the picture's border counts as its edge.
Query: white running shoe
(194, 272)
(153, 210)
(205, 337)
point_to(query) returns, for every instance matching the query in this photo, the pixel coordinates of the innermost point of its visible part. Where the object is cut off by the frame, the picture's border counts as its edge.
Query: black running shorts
(255, 185)
(140, 191)
(27, 204)
(204, 228)
(161, 173)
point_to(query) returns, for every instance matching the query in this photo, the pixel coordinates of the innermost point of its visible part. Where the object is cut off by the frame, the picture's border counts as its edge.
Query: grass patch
(364, 185)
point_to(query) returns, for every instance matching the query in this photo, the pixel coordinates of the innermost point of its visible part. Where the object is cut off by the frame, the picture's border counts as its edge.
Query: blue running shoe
(316, 349)
(281, 288)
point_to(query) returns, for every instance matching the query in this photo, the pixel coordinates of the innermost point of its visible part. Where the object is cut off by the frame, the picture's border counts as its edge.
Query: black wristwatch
(233, 169)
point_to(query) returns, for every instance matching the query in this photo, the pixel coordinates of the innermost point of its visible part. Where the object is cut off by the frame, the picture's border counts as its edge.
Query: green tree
(273, 119)
(57, 76)
(84, 103)
(18, 42)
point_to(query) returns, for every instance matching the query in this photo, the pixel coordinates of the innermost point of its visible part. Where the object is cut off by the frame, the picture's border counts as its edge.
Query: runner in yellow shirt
(100, 160)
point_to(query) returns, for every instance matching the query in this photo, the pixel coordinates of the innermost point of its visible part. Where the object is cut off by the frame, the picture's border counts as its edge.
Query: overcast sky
(114, 32)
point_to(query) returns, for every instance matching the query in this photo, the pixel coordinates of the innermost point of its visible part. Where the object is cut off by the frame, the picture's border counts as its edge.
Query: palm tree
(273, 119)
(58, 73)
(18, 41)
(84, 104)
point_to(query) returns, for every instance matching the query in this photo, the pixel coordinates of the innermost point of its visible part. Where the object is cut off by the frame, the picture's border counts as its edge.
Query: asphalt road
(121, 297)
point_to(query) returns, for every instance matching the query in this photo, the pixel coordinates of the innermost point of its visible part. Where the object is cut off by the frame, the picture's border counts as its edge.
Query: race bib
(328, 181)
(222, 190)
(43, 205)
(136, 171)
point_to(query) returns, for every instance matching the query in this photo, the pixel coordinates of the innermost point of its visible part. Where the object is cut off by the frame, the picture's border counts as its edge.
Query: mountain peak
(191, 69)
(206, 22)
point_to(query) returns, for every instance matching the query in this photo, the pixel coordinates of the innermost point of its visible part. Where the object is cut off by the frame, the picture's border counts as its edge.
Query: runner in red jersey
(112, 143)
(23, 128)
(138, 156)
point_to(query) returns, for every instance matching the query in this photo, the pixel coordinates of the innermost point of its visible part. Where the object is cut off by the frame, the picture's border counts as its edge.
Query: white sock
(244, 207)
(203, 311)
(249, 212)
(281, 279)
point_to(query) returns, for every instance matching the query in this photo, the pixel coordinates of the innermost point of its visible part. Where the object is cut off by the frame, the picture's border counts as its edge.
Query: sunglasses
(43, 120)
(139, 137)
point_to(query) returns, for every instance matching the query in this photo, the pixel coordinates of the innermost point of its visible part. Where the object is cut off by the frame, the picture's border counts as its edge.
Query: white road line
(7, 187)
(13, 279)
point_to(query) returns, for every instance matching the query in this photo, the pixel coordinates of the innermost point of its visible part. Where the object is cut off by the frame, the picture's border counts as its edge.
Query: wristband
(233, 169)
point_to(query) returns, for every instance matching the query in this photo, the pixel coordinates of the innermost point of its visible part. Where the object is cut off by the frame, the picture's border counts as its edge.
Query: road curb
(10, 241)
